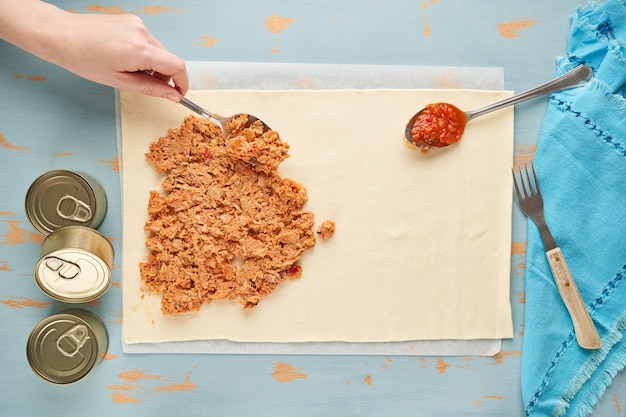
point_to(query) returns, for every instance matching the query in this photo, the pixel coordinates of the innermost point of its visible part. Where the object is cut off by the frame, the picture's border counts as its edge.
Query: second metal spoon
(573, 78)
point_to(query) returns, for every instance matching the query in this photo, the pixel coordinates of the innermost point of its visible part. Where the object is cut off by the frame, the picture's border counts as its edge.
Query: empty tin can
(65, 347)
(75, 264)
(64, 198)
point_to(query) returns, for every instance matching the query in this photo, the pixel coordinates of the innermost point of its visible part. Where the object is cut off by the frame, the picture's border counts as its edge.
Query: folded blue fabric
(581, 167)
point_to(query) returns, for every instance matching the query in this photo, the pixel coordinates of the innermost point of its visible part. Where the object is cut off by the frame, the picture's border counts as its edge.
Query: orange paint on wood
(513, 28)
(276, 24)
(96, 8)
(124, 387)
(442, 366)
(208, 41)
(499, 357)
(136, 375)
(388, 361)
(25, 302)
(425, 6)
(184, 386)
(283, 372)
(123, 398)
(368, 380)
(519, 248)
(155, 9)
(114, 162)
(16, 235)
(6, 145)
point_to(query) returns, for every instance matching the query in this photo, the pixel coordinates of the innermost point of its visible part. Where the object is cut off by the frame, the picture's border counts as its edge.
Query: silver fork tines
(531, 203)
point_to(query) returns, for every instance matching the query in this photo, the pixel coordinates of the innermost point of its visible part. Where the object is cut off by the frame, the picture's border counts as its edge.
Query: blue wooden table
(51, 119)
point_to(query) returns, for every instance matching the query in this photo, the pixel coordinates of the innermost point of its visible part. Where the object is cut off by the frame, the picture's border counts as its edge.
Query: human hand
(115, 50)
(118, 50)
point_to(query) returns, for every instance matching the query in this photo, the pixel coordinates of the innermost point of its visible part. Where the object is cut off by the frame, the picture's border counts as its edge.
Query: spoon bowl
(439, 125)
(225, 123)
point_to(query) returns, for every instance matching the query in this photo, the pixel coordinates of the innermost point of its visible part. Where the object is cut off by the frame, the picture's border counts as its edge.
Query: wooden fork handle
(586, 333)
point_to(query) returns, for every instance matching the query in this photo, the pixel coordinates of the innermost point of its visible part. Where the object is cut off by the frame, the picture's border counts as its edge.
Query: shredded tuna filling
(227, 225)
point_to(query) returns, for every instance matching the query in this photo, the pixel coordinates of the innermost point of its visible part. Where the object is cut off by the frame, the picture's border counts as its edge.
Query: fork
(531, 203)
(223, 122)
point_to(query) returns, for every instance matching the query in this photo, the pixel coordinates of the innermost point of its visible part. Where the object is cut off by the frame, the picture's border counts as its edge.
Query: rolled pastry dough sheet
(422, 243)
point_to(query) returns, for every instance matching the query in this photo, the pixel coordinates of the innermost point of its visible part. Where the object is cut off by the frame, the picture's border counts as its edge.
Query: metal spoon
(223, 122)
(573, 78)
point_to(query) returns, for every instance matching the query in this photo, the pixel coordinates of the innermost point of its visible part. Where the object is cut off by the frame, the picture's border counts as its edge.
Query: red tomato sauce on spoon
(438, 125)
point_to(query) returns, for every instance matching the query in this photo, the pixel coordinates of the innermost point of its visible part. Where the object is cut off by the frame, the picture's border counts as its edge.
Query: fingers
(155, 85)
(167, 67)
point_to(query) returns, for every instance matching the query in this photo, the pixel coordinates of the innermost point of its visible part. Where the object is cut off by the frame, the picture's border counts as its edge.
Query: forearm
(32, 25)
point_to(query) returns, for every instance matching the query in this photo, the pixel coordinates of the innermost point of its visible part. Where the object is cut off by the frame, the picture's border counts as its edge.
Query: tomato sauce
(438, 125)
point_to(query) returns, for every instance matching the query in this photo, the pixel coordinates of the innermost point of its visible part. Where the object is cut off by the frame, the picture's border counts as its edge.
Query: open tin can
(65, 347)
(75, 264)
(62, 198)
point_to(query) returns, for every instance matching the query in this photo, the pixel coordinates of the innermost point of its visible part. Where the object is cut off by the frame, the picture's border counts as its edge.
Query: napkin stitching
(588, 123)
(594, 360)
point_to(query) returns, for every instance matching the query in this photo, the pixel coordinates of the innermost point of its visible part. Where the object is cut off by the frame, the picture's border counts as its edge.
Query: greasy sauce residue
(521, 297)
(17, 235)
(276, 24)
(513, 28)
(208, 41)
(35, 78)
(425, 5)
(25, 302)
(283, 372)
(4, 266)
(446, 80)
(6, 145)
(306, 82)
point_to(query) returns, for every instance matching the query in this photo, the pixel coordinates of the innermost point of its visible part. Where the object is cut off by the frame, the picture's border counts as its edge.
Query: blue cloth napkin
(581, 167)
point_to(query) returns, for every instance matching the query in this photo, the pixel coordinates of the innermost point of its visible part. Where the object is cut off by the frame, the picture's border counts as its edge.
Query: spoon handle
(570, 79)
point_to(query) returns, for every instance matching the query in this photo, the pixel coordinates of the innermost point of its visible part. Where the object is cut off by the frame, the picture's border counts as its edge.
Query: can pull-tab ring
(77, 210)
(75, 338)
(65, 269)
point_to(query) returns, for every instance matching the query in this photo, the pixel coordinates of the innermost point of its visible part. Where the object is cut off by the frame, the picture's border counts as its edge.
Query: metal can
(64, 198)
(66, 346)
(75, 264)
